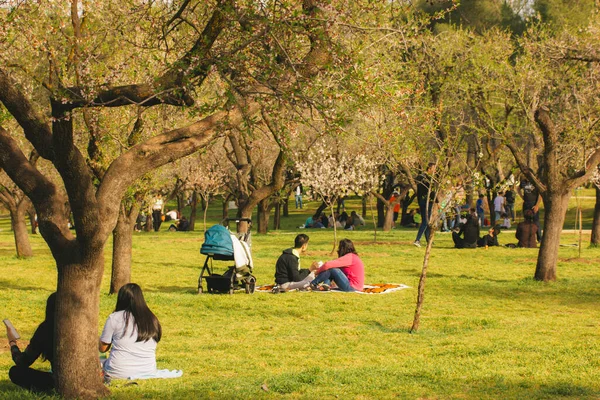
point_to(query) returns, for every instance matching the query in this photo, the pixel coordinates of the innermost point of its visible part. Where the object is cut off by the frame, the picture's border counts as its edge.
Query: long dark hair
(131, 300)
(46, 329)
(346, 246)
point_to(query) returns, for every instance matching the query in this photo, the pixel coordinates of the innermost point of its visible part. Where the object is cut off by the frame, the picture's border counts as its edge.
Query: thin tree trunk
(555, 207)
(263, 215)
(595, 240)
(334, 230)
(194, 210)
(20, 232)
(373, 217)
(32, 221)
(149, 224)
(277, 216)
(204, 213)
(286, 206)
(225, 209)
(364, 205)
(122, 244)
(76, 366)
(421, 289)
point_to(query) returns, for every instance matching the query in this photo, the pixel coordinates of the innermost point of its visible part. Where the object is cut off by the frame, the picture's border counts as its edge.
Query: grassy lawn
(488, 329)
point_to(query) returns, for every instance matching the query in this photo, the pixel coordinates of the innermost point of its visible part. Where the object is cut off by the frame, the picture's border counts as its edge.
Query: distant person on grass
(347, 271)
(288, 274)
(469, 232)
(527, 231)
(491, 239)
(132, 332)
(41, 344)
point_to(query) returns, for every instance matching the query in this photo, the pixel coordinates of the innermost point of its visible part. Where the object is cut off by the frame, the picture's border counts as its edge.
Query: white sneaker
(417, 243)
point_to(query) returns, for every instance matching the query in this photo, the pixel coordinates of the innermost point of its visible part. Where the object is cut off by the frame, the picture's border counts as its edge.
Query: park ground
(488, 330)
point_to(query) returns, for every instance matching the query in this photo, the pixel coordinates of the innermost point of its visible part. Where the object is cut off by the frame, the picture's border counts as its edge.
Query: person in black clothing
(531, 201)
(509, 206)
(288, 274)
(424, 190)
(470, 232)
(41, 344)
(491, 239)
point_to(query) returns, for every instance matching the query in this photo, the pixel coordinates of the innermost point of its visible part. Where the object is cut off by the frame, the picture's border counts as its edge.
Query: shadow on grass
(173, 289)
(376, 325)
(6, 284)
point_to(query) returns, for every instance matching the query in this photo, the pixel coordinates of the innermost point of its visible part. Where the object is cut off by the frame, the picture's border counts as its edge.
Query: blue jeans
(299, 201)
(425, 215)
(336, 275)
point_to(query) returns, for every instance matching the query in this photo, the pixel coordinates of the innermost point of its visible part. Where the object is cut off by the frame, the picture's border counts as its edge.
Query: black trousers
(31, 379)
(156, 219)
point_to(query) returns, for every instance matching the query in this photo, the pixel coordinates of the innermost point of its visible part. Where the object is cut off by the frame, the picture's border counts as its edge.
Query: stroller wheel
(250, 285)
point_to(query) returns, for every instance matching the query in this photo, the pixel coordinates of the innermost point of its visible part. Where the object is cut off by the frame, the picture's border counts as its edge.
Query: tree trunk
(194, 210)
(32, 221)
(225, 208)
(406, 202)
(148, 226)
(388, 221)
(19, 228)
(76, 366)
(595, 241)
(286, 207)
(421, 288)
(555, 207)
(122, 243)
(277, 216)
(364, 205)
(263, 215)
(380, 213)
(322, 207)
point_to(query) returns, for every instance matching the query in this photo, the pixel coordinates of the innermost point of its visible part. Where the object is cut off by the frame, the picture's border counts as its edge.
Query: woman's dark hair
(45, 332)
(131, 300)
(346, 246)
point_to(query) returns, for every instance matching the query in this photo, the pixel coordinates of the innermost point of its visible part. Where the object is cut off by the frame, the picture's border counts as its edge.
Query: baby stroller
(222, 245)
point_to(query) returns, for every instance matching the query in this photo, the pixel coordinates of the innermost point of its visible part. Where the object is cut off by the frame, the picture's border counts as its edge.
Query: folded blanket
(159, 374)
(376, 288)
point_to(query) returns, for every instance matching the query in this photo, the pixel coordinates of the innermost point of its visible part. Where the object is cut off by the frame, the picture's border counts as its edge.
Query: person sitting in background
(288, 274)
(470, 232)
(491, 239)
(408, 219)
(171, 215)
(309, 222)
(527, 231)
(183, 225)
(356, 219)
(41, 344)
(505, 221)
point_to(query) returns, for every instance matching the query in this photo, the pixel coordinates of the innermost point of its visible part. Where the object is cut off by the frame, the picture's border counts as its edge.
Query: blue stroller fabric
(217, 240)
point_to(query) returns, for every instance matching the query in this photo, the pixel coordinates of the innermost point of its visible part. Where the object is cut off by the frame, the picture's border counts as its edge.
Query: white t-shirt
(172, 214)
(127, 357)
(499, 204)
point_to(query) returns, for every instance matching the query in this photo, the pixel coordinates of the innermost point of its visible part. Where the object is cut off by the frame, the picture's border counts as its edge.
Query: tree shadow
(376, 325)
(6, 284)
(172, 289)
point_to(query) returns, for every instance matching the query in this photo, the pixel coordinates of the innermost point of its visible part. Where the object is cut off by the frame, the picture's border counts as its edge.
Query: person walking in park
(480, 210)
(298, 197)
(288, 274)
(498, 206)
(41, 344)
(157, 210)
(425, 197)
(531, 201)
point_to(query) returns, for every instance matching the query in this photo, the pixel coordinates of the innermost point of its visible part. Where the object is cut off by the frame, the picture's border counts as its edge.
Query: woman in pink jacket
(347, 271)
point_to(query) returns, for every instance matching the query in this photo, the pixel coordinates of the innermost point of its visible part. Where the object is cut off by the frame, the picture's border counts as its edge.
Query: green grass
(488, 329)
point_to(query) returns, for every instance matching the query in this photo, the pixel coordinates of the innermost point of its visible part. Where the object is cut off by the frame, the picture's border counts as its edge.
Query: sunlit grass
(488, 329)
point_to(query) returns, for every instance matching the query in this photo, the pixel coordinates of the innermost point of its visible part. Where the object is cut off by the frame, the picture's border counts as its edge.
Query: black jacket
(286, 269)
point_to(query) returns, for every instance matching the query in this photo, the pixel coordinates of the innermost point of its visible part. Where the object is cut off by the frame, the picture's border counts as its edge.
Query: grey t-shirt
(127, 357)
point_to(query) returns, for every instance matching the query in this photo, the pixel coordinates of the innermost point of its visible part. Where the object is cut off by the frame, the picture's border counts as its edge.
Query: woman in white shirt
(133, 332)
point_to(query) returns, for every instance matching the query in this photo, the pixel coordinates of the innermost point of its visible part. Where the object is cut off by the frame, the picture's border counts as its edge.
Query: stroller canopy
(217, 240)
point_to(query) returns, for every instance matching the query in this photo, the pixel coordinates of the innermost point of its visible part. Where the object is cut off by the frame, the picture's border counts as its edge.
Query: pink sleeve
(341, 262)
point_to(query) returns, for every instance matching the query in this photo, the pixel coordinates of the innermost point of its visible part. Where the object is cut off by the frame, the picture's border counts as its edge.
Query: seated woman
(347, 271)
(133, 332)
(42, 343)
(491, 239)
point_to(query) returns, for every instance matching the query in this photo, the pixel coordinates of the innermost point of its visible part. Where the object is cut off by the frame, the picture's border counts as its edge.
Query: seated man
(409, 219)
(527, 231)
(288, 274)
(182, 226)
(470, 232)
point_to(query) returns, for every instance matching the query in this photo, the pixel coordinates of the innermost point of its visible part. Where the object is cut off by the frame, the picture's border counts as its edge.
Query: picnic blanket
(375, 288)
